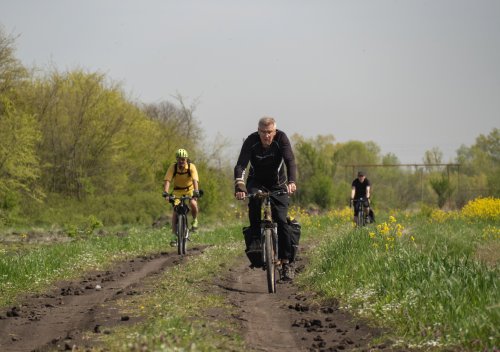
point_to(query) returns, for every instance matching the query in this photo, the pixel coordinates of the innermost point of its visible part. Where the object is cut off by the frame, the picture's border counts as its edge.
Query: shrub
(482, 208)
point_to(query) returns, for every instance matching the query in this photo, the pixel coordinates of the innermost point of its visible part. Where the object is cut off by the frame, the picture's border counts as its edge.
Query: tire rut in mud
(60, 319)
(76, 313)
(291, 319)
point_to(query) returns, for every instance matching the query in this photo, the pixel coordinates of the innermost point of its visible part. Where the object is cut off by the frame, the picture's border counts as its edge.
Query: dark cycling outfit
(360, 192)
(267, 173)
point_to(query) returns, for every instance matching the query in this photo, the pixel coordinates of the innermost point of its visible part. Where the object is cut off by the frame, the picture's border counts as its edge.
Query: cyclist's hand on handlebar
(165, 195)
(351, 202)
(240, 190)
(196, 194)
(240, 195)
(291, 188)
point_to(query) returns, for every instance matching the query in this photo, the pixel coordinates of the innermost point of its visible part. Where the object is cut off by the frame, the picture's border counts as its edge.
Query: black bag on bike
(371, 216)
(253, 247)
(294, 236)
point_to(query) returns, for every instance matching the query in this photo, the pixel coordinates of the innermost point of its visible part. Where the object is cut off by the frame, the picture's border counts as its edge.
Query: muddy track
(292, 320)
(64, 318)
(57, 320)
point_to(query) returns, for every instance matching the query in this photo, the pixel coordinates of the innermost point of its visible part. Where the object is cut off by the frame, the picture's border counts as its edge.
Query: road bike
(269, 237)
(362, 210)
(181, 208)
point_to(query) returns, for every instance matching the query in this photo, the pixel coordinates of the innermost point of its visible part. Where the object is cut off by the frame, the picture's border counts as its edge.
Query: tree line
(73, 145)
(327, 169)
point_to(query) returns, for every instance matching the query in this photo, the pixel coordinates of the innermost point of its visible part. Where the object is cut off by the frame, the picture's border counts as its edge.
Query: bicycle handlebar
(360, 200)
(172, 197)
(261, 194)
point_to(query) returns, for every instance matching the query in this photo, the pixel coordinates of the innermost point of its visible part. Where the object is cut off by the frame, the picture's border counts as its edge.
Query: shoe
(173, 243)
(195, 224)
(287, 272)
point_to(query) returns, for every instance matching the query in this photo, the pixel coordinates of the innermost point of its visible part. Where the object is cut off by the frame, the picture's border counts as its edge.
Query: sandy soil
(289, 320)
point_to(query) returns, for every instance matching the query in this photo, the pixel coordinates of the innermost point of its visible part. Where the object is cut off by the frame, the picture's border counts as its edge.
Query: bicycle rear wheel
(269, 257)
(181, 234)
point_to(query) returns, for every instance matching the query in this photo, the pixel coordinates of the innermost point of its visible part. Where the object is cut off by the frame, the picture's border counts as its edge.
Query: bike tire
(361, 218)
(186, 234)
(181, 234)
(269, 257)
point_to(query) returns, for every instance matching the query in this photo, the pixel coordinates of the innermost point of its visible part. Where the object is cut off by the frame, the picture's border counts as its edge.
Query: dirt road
(58, 319)
(285, 321)
(292, 320)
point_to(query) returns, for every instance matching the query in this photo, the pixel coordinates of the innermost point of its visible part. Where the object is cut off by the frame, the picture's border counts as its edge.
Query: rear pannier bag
(294, 236)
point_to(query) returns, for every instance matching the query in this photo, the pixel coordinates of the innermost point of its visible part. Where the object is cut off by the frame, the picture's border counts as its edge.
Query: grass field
(434, 282)
(431, 281)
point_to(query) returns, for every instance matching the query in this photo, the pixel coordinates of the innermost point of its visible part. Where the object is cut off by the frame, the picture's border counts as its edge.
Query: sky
(409, 75)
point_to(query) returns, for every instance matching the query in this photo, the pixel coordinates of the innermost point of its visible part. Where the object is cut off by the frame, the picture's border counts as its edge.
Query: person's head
(181, 155)
(267, 130)
(361, 175)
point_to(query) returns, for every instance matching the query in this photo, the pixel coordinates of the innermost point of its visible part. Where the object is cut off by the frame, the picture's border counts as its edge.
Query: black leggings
(279, 210)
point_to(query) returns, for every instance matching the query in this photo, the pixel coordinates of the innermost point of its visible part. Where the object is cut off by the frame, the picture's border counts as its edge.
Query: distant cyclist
(272, 167)
(361, 189)
(184, 176)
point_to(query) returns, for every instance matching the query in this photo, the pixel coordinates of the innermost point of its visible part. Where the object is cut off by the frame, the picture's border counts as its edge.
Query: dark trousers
(279, 210)
(365, 204)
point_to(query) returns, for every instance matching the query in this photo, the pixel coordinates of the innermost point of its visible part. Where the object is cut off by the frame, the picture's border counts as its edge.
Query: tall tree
(19, 134)
(82, 118)
(12, 72)
(176, 128)
(19, 166)
(480, 167)
(432, 157)
(316, 169)
(443, 188)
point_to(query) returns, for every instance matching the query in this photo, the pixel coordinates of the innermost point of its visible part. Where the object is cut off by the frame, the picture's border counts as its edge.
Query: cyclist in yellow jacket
(184, 177)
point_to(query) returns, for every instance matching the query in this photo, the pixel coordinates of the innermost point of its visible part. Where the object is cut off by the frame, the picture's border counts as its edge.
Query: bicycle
(269, 238)
(182, 226)
(361, 210)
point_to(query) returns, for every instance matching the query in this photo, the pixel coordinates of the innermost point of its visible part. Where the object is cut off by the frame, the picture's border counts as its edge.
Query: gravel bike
(269, 237)
(181, 208)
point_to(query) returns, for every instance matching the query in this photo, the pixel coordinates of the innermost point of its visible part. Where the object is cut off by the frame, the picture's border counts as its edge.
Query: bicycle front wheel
(270, 263)
(181, 234)
(361, 218)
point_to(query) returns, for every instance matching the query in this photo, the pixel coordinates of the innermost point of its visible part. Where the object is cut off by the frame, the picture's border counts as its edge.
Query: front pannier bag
(253, 247)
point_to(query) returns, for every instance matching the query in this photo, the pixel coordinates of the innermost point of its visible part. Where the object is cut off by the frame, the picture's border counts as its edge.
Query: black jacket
(267, 166)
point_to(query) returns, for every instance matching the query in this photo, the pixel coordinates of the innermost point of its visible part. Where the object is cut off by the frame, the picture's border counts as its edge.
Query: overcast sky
(408, 75)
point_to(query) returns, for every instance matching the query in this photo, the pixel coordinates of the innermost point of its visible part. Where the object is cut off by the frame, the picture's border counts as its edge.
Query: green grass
(33, 268)
(175, 310)
(179, 307)
(440, 290)
(433, 291)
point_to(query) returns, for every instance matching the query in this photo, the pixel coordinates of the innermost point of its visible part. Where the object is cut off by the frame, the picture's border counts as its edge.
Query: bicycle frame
(182, 228)
(269, 238)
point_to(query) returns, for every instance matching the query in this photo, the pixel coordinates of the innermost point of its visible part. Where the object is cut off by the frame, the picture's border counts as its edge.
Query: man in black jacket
(269, 153)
